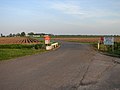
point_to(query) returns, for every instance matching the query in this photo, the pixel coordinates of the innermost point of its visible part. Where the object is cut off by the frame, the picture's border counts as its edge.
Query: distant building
(37, 35)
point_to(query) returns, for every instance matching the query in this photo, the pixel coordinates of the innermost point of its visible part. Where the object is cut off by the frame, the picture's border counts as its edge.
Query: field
(18, 40)
(13, 47)
(84, 39)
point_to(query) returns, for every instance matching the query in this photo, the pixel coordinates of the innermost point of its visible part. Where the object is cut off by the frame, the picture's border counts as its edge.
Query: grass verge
(107, 50)
(6, 54)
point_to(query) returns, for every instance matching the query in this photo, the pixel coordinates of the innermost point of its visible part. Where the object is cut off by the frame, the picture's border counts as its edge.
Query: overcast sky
(60, 16)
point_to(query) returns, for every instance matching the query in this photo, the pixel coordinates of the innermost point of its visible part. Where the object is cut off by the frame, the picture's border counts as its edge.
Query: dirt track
(72, 67)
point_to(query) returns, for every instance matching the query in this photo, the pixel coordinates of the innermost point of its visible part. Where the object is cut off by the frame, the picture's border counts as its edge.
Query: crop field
(13, 47)
(85, 39)
(82, 40)
(18, 40)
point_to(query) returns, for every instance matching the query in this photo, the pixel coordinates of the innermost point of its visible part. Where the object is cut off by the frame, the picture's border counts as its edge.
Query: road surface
(73, 66)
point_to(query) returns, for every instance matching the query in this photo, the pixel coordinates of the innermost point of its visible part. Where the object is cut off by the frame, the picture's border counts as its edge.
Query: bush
(109, 48)
(21, 46)
(39, 46)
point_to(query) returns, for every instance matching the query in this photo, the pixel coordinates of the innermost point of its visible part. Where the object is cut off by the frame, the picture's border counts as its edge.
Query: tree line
(22, 34)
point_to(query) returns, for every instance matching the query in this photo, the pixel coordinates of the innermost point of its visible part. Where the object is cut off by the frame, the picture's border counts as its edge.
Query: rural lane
(73, 66)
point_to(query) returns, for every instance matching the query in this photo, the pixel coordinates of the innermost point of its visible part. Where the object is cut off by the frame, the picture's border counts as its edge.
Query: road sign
(47, 39)
(108, 40)
(101, 39)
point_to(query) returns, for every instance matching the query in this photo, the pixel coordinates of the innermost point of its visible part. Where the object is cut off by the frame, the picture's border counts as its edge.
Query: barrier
(48, 47)
(54, 45)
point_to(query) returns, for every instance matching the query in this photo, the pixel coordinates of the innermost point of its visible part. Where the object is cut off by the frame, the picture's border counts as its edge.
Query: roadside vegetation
(21, 46)
(6, 54)
(110, 50)
(9, 51)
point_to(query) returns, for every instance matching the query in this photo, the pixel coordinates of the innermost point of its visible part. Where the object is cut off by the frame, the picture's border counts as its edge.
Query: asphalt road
(72, 67)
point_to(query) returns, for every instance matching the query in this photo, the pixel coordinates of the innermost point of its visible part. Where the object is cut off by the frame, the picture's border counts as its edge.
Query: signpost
(100, 42)
(98, 45)
(109, 41)
(101, 39)
(47, 39)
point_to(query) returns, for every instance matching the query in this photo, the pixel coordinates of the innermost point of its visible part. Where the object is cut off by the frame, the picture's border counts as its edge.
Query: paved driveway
(73, 66)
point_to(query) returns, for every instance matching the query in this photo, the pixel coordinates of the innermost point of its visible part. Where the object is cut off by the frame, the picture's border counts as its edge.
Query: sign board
(108, 40)
(47, 39)
(101, 39)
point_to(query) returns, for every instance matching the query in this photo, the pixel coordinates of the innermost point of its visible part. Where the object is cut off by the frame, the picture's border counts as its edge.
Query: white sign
(108, 40)
(47, 41)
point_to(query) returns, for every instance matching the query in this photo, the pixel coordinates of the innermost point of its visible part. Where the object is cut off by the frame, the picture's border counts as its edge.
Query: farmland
(18, 40)
(84, 39)
(12, 47)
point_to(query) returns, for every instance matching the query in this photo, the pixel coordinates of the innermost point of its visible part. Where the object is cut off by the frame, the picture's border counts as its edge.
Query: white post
(98, 45)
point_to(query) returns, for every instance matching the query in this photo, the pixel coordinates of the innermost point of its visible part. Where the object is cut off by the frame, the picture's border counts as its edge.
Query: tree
(23, 34)
(31, 33)
(18, 34)
(10, 35)
(13, 35)
(1, 34)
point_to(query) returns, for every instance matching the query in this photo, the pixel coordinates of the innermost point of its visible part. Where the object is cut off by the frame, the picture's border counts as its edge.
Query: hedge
(21, 46)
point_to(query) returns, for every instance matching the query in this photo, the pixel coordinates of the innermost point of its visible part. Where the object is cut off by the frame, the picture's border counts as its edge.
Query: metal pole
(113, 44)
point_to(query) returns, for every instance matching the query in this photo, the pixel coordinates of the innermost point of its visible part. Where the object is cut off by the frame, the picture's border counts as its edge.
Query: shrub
(39, 46)
(20, 46)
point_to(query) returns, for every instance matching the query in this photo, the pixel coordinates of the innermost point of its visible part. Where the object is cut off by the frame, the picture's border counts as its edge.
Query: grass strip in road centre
(6, 54)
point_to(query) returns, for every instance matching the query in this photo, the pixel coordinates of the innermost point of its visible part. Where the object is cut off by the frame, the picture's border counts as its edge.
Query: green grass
(6, 54)
(108, 49)
(21, 46)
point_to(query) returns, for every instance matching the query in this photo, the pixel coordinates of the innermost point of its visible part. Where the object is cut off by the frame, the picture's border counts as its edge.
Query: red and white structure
(47, 39)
